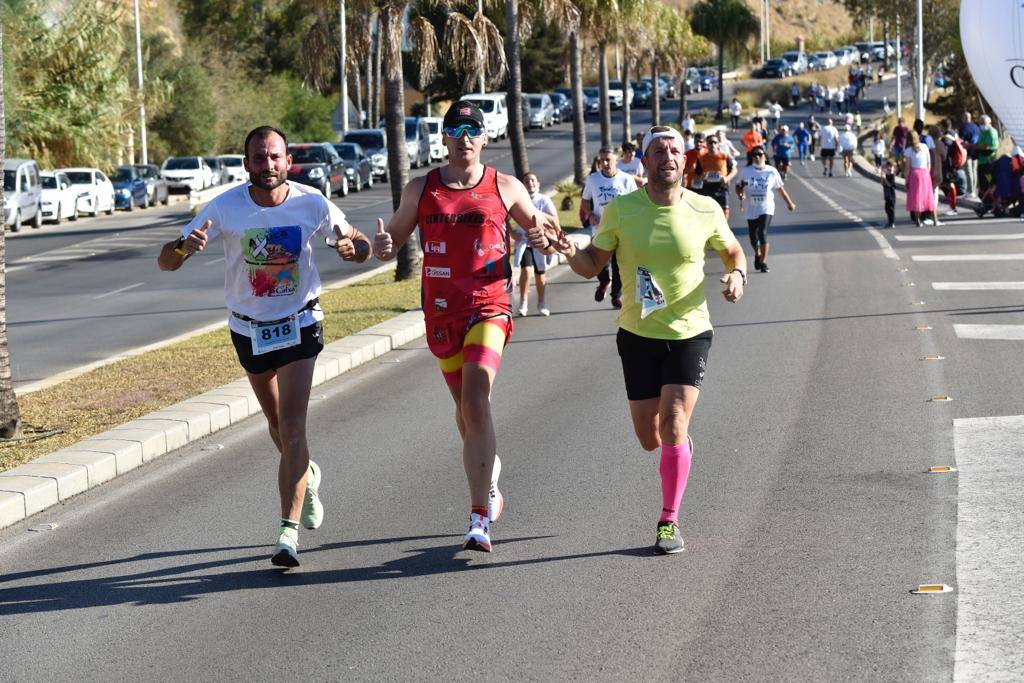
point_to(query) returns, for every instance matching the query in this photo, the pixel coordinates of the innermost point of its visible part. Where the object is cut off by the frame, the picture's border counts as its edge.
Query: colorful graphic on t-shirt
(273, 258)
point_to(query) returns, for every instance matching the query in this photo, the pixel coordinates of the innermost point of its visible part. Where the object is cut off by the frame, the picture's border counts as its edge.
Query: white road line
(967, 257)
(959, 238)
(990, 332)
(118, 291)
(883, 243)
(989, 538)
(210, 263)
(977, 286)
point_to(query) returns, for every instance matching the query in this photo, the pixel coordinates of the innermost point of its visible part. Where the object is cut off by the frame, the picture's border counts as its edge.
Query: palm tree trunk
(627, 133)
(10, 413)
(390, 40)
(721, 90)
(656, 102)
(605, 106)
(520, 162)
(579, 124)
(357, 85)
(885, 39)
(376, 65)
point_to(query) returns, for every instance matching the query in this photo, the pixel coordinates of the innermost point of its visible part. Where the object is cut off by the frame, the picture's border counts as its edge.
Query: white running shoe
(928, 221)
(286, 554)
(544, 310)
(495, 501)
(523, 310)
(479, 535)
(952, 212)
(312, 509)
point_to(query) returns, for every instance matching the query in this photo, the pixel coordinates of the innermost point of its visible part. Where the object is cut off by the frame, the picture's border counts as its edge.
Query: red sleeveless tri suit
(467, 276)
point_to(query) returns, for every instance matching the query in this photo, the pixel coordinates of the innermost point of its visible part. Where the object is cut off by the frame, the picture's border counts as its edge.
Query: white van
(23, 193)
(495, 111)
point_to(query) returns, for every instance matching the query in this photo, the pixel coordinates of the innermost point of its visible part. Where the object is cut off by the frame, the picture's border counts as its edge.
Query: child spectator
(888, 179)
(527, 257)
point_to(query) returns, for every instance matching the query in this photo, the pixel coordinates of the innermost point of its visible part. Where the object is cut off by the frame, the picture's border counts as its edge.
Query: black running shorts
(311, 344)
(757, 229)
(649, 364)
(528, 261)
(827, 152)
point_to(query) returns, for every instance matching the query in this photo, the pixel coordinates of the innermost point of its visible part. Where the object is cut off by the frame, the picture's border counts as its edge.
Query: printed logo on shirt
(440, 305)
(469, 218)
(272, 256)
(435, 247)
(482, 249)
(648, 294)
(434, 271)
(440, 335)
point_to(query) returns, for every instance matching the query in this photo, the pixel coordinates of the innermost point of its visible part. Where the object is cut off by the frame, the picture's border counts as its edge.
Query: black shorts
(311, 344)
(649, 364)
(827, 152)
(528, 261)
(757, 229)
(717, 191)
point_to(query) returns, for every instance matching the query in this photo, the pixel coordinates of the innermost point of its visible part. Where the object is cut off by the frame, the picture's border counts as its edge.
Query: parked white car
(60, 197)
(824, 60)
(495, 110)
(95, 191)
(438, 152)
(233, 168)
(189, 174)
(22, 194)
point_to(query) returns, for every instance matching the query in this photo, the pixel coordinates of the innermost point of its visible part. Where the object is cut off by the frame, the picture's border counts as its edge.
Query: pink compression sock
(675, 469)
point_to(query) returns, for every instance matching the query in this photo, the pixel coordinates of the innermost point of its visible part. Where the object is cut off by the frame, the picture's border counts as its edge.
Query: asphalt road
(808, 517)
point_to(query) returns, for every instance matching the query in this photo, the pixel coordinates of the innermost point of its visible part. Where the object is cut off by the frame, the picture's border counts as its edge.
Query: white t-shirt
(600, 189)
(829, 137)
(689, 124)
(735, 108)
(269, 271)
(632, 167)
(878, 147)
(542, 203)
(919, 159)
(775, 110)
(759, 193)
(848, 141)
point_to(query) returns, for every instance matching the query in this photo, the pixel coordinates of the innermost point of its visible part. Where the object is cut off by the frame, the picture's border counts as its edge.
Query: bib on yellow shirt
(660, 250)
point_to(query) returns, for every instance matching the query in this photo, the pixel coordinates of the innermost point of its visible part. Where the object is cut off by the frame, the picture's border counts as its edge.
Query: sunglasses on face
(758, 154)
(464, 129)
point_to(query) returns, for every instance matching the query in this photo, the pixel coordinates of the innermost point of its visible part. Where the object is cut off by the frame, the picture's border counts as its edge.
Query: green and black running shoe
(669, 539)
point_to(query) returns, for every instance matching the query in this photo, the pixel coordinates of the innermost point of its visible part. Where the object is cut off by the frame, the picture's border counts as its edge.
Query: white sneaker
(928, 221)
(479, 535)
(312, 509)
(544, 310)
(495, 501)
(952, 212)
(523, 310)
(286, 554)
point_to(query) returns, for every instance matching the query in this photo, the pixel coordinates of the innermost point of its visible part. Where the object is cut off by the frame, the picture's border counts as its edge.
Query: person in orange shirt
(690, 159)
(715, 168)
(753, 138)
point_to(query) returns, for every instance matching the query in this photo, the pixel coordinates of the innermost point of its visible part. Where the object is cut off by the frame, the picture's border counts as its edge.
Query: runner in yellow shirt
(658, 235)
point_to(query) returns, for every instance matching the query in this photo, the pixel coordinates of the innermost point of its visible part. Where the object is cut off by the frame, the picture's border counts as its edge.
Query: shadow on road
(180, 584)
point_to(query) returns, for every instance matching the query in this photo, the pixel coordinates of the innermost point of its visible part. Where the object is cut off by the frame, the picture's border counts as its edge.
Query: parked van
(438, 152)
(495, 110)
(23, 194)
(417, 141)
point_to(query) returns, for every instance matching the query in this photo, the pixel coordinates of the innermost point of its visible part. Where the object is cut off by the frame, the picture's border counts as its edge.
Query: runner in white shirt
(735, 109)
(829, 138)
(755, 189)
(630, 163)
(688, 123)
(600, 188)
(848, 145)
(775, 113)
(271, 286)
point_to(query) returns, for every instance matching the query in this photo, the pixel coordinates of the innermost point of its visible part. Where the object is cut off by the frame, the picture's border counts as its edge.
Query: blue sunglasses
(464, 128)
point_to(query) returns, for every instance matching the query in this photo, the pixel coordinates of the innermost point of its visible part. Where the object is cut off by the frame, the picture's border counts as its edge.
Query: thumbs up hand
(344, 246)
(196, 240)
(383, 245)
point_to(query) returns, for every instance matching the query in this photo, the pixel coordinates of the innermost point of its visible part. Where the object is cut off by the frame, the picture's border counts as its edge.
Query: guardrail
(197, 200)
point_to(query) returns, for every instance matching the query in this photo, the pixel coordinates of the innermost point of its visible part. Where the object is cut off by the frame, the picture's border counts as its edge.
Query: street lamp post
(899, 69)
(343, 57)
(920, 64)
(480, 49)
(142, 99)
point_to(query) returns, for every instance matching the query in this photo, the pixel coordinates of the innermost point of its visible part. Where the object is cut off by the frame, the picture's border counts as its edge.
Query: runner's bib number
(713, 177)
(696, 184)
(648, 294)
(273, 336)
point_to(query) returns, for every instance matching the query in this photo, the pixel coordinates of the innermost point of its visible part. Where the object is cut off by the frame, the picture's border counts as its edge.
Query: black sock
(289, 524)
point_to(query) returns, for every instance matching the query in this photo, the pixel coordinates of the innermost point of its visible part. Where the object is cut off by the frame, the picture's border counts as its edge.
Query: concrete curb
(55, 477)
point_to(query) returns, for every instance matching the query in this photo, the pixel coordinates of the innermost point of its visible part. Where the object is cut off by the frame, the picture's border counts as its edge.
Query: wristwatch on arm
(743, 274)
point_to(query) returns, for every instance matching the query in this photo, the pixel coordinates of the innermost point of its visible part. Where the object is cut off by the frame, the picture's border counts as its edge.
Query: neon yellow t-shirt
(660, 250)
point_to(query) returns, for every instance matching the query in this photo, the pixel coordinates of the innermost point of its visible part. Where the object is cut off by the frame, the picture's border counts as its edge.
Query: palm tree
(517, 26)
(10, 413)
(726, 23)
(600, 18)
(688, 48)
(633, 34)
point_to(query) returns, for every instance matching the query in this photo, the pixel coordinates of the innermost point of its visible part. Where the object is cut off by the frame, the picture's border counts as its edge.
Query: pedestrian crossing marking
(978, 286)
(933, 258)
(991, 332)
(958, 238)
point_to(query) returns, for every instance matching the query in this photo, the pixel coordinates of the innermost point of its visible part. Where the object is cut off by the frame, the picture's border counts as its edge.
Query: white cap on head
(783, 127)
(653, 135)
(847, 127)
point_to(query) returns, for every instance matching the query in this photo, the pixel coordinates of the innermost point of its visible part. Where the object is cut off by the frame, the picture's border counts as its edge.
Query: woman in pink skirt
(920, 193)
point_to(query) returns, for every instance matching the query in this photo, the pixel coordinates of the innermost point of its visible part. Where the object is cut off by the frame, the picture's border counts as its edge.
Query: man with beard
(271, 287)
(462, 210)
(659, 234)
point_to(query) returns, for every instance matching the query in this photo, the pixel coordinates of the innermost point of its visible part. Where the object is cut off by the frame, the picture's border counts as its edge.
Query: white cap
(847, 127)
(651, 136)
(783, 127)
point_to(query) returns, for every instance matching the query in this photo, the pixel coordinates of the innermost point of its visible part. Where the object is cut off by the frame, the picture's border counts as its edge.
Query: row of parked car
(796, 62)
